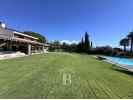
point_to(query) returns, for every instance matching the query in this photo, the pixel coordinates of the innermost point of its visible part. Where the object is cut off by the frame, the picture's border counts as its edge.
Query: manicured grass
(41, 76)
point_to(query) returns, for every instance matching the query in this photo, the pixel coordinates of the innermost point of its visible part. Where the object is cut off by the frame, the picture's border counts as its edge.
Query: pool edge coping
(124, 67)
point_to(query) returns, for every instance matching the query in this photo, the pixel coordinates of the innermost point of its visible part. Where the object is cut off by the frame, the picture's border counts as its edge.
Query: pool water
(122, 61)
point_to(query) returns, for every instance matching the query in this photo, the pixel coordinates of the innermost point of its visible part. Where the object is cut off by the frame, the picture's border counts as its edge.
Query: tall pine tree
(91, 44)
(83, 48)
(87, 42)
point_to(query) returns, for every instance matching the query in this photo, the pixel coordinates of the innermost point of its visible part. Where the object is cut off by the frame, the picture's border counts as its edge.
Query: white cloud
(69, 42)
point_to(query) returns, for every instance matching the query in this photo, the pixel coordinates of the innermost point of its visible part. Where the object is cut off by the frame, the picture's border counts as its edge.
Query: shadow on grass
(122, 70)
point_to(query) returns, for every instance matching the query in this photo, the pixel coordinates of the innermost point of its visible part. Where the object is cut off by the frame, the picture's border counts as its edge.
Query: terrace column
(40, 49)
(43, 49)
(29, 49)
(8, 45)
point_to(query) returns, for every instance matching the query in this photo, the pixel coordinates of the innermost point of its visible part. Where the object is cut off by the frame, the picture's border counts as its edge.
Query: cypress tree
(87, 42)
(91, 44)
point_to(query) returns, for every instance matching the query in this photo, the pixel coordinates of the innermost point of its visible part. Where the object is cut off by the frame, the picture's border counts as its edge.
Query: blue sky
(107, 21)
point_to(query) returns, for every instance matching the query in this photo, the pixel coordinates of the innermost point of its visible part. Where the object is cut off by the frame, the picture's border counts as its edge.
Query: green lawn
(42, 76)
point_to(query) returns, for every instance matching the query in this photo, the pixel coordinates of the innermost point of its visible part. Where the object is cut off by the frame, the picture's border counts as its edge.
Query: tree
(81, 46)
(54, 45)
(82, 41)
(130, 36)
(69, 47)
(73, 47)
(65, 46)
(91, 44)
(124, 42)
(40, 37)
(87, 42)
(84, 45)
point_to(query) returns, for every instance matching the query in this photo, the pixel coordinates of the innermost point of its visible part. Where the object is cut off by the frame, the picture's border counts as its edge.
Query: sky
(106, 21)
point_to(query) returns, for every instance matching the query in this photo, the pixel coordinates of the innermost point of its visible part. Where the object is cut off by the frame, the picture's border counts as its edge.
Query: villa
(12, 40)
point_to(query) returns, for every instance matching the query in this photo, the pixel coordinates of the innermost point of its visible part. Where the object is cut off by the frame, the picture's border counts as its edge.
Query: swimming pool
(121, 61)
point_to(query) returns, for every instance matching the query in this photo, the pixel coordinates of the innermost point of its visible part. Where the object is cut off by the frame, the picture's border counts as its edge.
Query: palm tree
(124, 42)
(130, 36)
